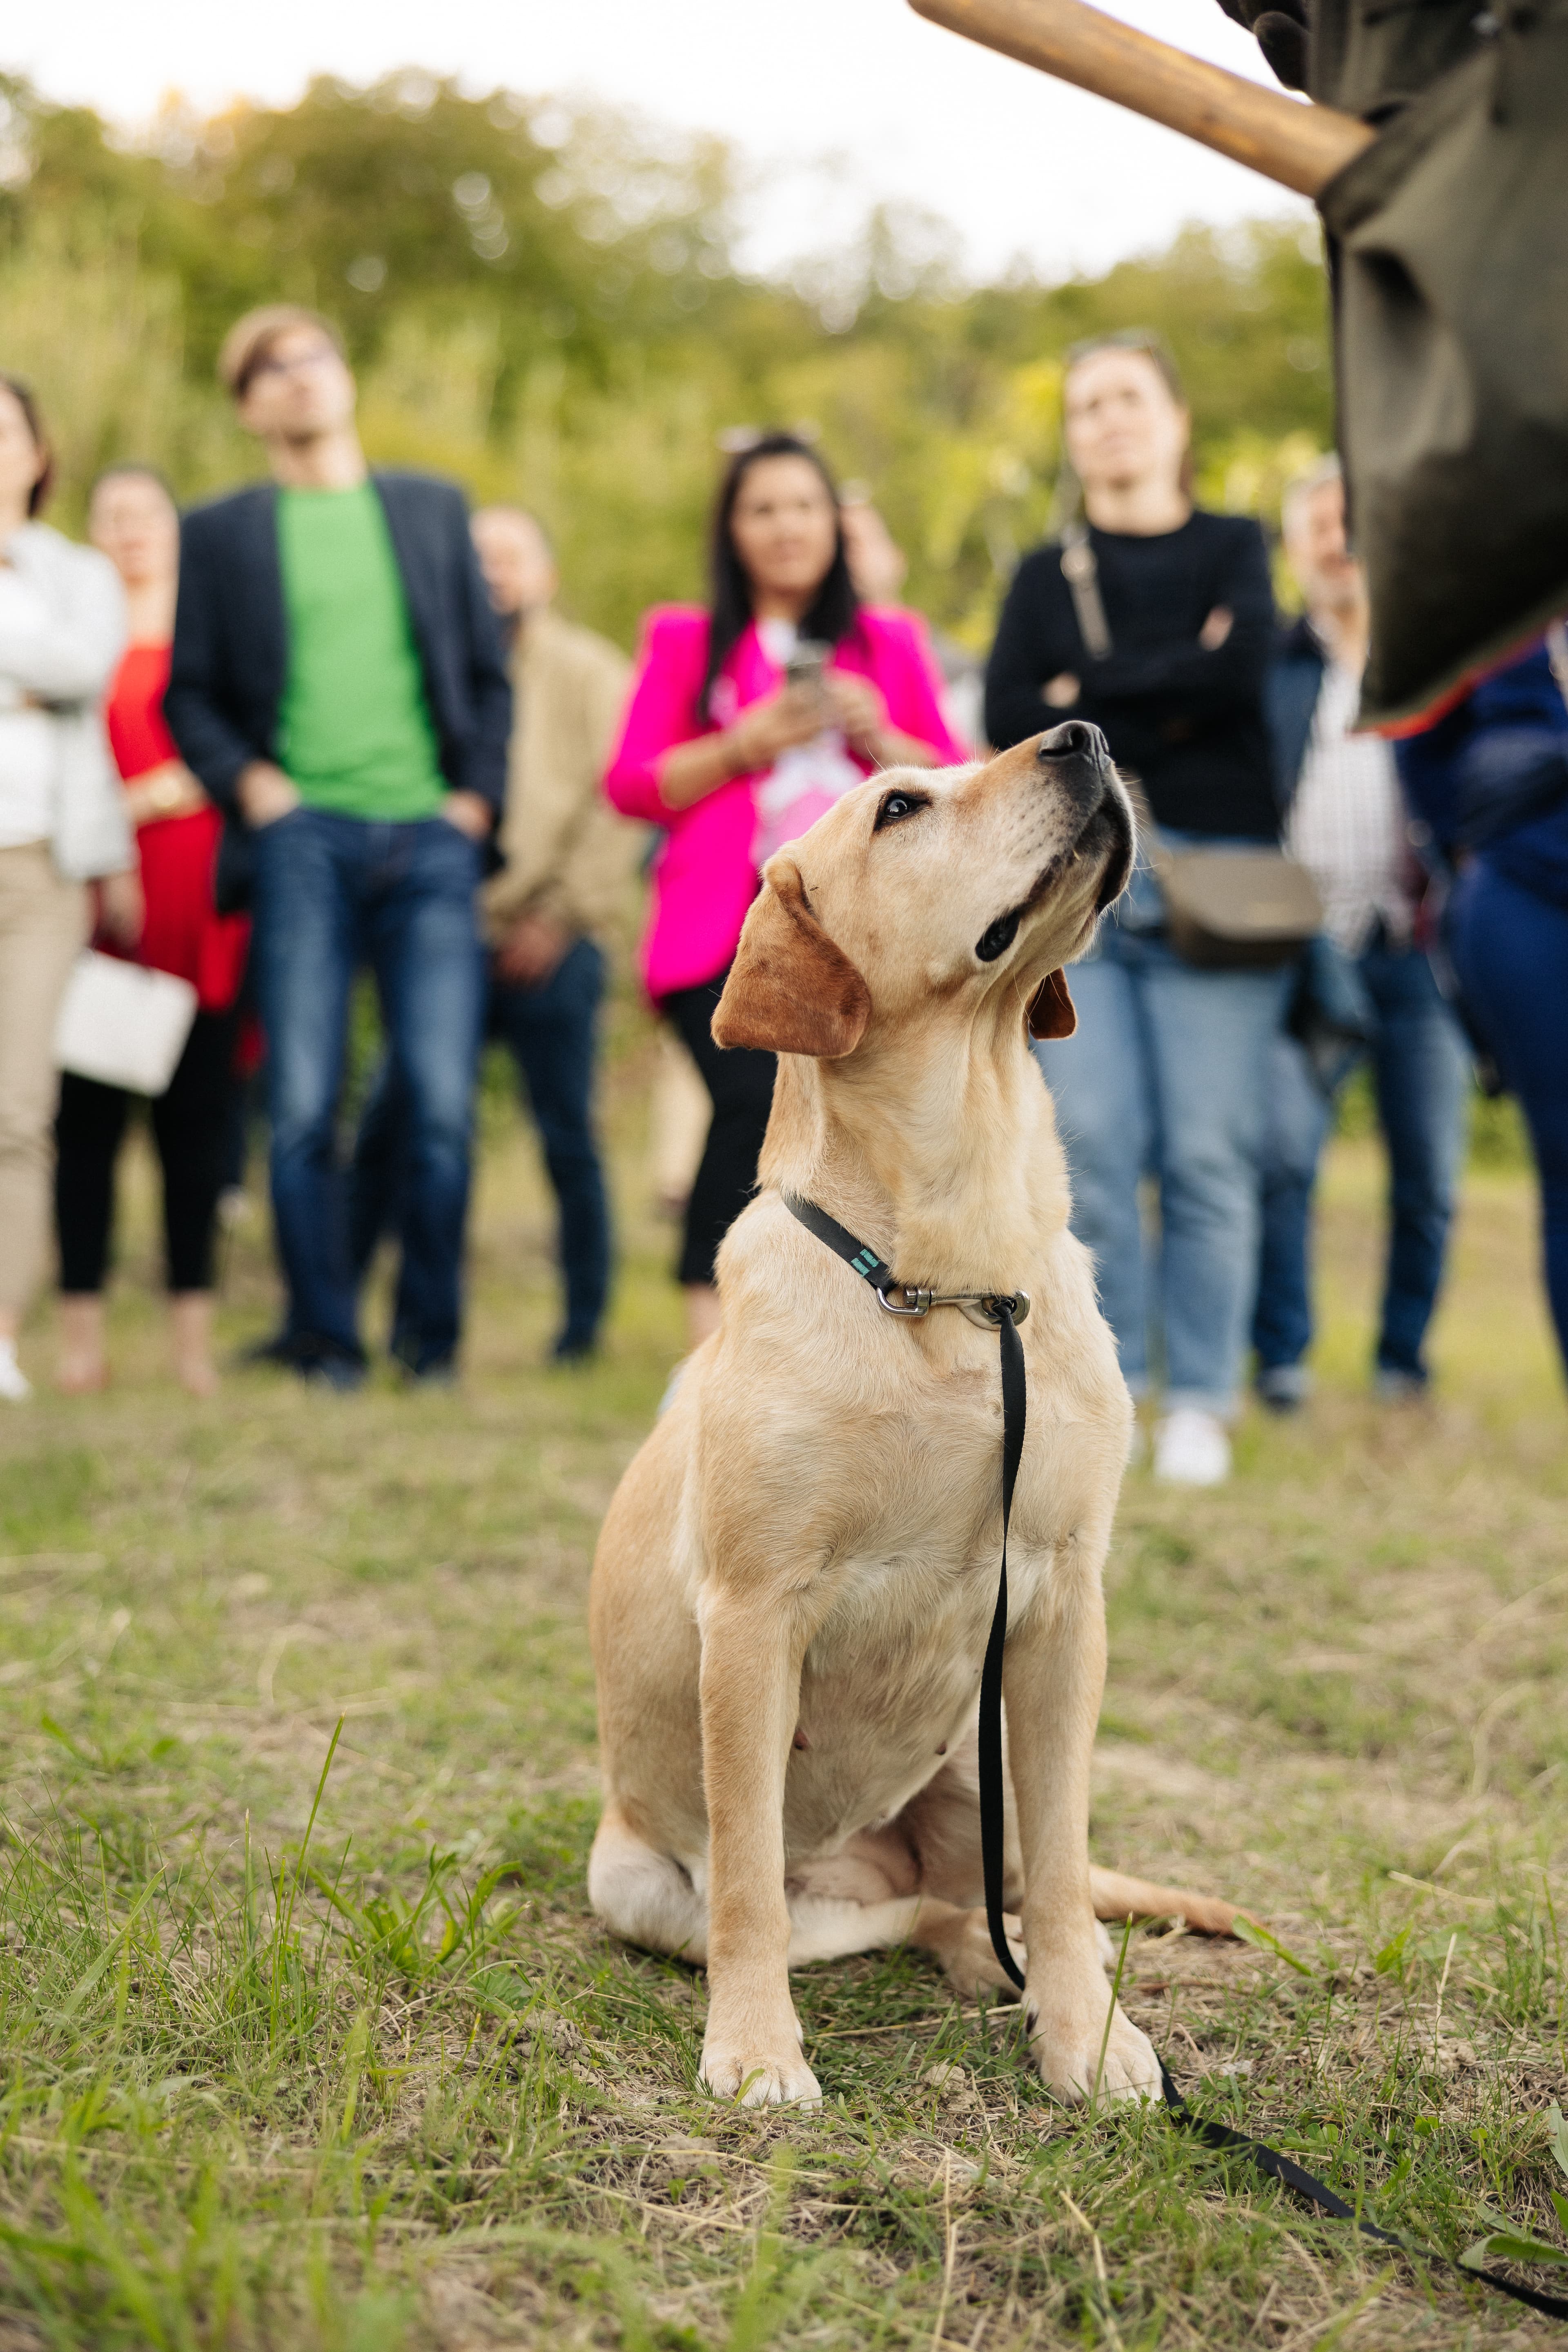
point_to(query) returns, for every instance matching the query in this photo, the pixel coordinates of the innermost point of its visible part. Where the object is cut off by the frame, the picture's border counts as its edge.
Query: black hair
(26, 401)
(835, 608)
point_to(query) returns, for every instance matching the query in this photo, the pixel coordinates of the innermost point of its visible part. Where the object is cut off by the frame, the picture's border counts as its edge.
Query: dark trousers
(740, 1086)
(551, 1033)
(334, 893)
(1510, 949)
(1420, 1074)
(190, 1124)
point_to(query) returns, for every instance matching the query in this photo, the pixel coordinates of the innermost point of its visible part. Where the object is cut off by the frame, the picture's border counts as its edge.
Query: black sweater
(1188, 724)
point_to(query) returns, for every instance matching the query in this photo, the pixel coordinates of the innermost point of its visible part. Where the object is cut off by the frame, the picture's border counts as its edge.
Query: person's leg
(426, 951)
(379, 1175)
(1100, 1080)
(1297, 1122)
(43, 922)
(740, 1087)
(89, 1126)
(1213, 1035)
(304, 949)
(551, 1032)
(1510, 949)
(1422, 1072)
(190, 1127)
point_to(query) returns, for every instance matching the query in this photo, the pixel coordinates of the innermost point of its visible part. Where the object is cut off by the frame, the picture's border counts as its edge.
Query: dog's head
(954, 885)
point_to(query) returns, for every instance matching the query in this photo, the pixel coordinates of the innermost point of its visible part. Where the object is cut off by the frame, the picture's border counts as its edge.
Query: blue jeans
(1166, 1076)
(551, 1031)
(1511, 951)
(334, 893)
(1421, 1073)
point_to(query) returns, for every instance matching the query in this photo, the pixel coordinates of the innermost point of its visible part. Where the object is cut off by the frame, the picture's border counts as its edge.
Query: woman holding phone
(1156, 621)
(747, 719)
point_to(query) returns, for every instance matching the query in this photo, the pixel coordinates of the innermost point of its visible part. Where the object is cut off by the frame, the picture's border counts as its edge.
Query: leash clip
(981, 1306)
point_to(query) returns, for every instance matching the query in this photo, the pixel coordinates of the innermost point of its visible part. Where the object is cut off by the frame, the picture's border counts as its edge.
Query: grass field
(343, 2060)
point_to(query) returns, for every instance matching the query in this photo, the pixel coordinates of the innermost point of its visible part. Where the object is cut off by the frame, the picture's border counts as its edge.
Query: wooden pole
(1300, 146)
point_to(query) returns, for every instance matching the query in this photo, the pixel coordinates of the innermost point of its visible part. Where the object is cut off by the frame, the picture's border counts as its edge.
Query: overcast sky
(842, 101)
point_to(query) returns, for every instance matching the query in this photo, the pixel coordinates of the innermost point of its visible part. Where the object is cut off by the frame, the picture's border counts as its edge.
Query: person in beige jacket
(570, 869)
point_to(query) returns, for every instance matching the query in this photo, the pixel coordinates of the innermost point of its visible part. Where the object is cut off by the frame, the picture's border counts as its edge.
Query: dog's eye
(896, 806)
(999, 938)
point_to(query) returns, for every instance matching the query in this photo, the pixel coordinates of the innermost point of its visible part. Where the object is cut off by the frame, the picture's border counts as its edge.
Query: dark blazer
(1290, 694)
(230, 660)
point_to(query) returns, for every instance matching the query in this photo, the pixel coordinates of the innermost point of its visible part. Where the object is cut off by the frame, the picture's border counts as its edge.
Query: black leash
(1003, 1311)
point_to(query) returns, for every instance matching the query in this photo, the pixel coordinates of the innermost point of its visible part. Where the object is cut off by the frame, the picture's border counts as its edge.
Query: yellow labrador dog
(795, 1579)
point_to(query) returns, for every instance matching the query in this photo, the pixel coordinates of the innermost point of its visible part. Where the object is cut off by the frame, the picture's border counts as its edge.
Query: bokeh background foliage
(546, 302)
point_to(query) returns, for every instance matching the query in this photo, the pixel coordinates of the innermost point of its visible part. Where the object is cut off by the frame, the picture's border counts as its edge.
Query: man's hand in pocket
(266, 793)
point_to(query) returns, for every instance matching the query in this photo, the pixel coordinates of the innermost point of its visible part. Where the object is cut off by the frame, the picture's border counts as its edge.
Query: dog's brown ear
(790, 989)
(1052, 1013)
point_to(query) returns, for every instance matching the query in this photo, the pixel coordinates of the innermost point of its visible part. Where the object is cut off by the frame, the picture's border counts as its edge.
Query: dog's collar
(981, 1306)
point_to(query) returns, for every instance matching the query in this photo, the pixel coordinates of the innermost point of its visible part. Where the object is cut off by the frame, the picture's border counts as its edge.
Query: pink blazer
(703, 877)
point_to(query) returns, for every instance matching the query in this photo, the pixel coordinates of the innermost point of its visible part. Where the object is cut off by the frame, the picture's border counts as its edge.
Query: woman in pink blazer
(745, 724)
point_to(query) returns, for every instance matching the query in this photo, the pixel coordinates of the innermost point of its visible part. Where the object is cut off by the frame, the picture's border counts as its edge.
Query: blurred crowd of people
(332, 723)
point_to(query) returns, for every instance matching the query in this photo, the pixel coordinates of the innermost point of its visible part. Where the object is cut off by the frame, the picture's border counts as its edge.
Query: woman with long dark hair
(747, 721)
(1155, 620)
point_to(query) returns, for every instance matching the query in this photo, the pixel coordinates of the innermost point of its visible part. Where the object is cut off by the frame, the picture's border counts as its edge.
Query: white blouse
(27, 749)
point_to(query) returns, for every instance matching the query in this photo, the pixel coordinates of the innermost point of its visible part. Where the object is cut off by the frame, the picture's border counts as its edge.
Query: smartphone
(808, 660)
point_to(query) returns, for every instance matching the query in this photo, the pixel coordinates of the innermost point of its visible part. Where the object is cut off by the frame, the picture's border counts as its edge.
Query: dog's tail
(1118, 1898)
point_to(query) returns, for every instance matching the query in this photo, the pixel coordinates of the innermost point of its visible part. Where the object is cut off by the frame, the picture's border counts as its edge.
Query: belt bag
(1235, 909)
(1226, 910)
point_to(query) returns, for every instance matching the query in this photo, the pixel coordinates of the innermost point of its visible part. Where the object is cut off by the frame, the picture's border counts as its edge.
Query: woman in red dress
(133, 520)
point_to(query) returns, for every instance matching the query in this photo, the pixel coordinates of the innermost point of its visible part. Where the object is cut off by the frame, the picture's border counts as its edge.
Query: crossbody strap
(1081, 572)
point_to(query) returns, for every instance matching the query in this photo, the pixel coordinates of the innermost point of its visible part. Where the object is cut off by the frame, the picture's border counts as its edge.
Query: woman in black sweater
(1165, 647)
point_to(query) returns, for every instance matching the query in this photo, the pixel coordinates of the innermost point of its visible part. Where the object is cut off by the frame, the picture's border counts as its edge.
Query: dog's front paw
(1078, 2059)
(757, 2075)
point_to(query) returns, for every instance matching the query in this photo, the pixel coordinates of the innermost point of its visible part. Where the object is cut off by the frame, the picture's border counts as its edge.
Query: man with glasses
(339, 686)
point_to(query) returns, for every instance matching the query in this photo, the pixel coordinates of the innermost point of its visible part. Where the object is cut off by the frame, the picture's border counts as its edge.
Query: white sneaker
(15, 1387)
(1191, 1448)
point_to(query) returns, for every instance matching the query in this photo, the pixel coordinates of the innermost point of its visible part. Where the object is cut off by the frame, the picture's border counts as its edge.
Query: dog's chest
(892, 1677)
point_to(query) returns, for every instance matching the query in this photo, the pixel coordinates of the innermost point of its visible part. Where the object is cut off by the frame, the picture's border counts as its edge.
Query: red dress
(184, 933)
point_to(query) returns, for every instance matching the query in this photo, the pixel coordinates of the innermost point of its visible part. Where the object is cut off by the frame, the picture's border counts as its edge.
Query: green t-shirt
(355, 731)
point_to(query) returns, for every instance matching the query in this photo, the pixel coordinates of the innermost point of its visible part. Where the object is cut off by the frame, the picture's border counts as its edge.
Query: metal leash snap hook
(922, 1303)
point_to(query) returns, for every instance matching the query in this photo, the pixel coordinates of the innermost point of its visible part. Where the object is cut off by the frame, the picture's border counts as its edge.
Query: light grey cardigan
(65, 663)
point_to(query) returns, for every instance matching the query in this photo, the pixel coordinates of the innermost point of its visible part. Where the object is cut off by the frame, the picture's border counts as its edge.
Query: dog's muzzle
(1077, 759)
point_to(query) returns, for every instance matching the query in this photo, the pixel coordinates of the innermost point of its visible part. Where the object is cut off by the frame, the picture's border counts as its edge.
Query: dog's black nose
(1075, 739)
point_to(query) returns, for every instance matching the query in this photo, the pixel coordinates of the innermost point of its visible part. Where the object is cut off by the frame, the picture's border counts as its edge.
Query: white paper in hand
(122, 1025)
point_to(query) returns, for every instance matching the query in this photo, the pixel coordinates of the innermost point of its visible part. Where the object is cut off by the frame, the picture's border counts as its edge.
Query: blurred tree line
(545, 302)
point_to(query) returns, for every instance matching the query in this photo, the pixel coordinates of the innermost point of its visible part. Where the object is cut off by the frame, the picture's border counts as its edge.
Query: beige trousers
(42, 924)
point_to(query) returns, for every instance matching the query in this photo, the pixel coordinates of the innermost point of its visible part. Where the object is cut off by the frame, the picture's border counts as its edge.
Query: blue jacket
(1291, 692)
(1490, 779)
